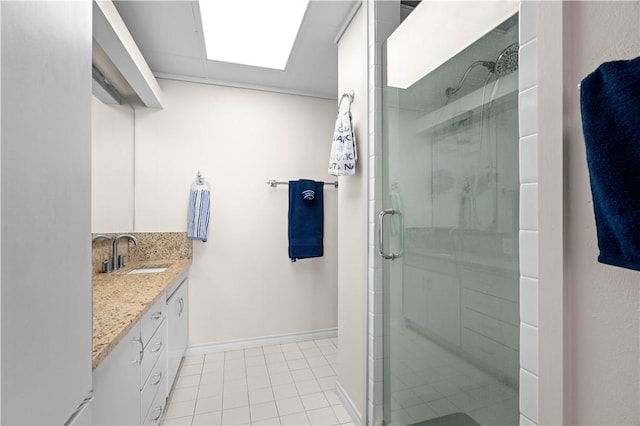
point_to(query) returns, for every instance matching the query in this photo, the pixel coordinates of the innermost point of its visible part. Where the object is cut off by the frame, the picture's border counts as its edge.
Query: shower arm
(487, 64)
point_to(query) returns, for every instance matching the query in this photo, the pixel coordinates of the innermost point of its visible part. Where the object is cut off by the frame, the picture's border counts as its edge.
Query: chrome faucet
(107, 266)
(118, 261)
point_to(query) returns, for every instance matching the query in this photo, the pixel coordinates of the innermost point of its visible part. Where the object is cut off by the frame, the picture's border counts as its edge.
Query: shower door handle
(381, 215)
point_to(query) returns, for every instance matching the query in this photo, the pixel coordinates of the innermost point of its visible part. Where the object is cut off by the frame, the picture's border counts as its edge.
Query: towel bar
(273, 183)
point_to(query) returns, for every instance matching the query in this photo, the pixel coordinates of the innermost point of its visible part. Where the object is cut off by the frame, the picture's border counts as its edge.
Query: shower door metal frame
(379, 17)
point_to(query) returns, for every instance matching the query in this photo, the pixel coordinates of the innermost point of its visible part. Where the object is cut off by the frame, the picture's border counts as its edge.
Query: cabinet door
(414, 305)
(178, 330)
(443, 306)
(116, 383)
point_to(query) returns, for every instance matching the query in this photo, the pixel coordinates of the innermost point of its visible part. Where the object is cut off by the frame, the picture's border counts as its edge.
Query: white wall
(352, 220)
(242, 282)
(112, 143)
(603, 301)
(589, 313)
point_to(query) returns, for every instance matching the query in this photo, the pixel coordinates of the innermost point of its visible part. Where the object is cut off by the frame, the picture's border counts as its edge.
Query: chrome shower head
(507, 61)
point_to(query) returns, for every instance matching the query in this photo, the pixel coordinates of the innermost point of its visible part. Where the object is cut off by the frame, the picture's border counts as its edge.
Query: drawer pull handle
(159, 378)
(156, 315)
(157, 346)
(140, 352)
(159, 410)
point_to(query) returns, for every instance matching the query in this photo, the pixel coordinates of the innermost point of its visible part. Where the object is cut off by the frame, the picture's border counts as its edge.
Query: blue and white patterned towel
(343, 157)
(198, 221)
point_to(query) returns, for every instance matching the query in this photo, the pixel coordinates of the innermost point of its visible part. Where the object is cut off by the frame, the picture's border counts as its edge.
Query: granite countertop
(507, 263)
(120, 299)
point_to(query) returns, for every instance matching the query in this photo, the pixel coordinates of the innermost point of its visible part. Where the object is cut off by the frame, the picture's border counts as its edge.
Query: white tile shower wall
(529, 395)
(528, 119)
(529, 292)
(382, 18)
(528, 175)
(374, 384)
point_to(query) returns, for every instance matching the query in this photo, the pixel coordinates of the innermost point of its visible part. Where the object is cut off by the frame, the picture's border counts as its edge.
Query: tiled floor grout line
(195, 406)
(271, 383)
(224, 368)
(246, 377)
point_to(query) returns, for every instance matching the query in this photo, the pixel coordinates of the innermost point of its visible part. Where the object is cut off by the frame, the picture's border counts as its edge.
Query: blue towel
(198, 217)
(610, 103)
(306, 219)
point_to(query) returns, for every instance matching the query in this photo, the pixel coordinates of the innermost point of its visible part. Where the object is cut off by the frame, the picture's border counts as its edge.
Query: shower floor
(428, 382)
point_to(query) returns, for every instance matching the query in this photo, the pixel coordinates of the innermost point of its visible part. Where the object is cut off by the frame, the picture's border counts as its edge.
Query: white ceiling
(169, 35)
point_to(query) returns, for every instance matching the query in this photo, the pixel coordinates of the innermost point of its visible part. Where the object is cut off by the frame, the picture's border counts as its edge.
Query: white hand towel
(342, 161)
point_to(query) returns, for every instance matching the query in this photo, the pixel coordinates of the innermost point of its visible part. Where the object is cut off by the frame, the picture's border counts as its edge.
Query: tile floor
(291, 384)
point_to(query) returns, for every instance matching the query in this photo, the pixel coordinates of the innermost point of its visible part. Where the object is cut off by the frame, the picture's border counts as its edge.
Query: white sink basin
(148, 270)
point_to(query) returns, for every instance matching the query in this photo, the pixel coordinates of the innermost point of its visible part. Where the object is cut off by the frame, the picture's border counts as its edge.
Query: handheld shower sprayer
(506, 63)
(487, 64)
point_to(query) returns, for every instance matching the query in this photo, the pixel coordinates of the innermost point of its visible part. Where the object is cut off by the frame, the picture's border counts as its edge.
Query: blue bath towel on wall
(610, 103)
(306, 219)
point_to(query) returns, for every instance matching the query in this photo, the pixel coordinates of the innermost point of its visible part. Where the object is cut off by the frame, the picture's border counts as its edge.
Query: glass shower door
(450, 240)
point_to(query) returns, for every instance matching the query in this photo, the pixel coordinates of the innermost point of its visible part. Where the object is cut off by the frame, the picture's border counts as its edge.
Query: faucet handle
(101, 237)
(121, 261)
(107, 267)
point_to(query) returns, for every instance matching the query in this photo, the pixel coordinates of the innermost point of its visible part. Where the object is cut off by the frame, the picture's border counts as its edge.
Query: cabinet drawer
(152, 319)
(505, 285)
(501, 309)
(498, 357)
(157, 408)
(431, 263)
(152, 352)
(484, 325)
(155, 381)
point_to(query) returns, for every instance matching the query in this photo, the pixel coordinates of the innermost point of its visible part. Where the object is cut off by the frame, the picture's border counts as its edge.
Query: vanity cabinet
(129, 384)
(431, 296)
(116, 383)
(472, 309)
(132, 383)
(491, 319)
(178, 328)
(431, 300)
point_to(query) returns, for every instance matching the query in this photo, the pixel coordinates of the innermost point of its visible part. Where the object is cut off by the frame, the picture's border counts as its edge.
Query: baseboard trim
(348, 405)
(254, 342)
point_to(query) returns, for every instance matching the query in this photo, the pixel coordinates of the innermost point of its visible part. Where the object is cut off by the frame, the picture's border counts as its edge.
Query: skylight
(260, 33)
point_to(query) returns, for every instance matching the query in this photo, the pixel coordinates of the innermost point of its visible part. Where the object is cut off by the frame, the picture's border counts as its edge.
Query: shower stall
(449, 236)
